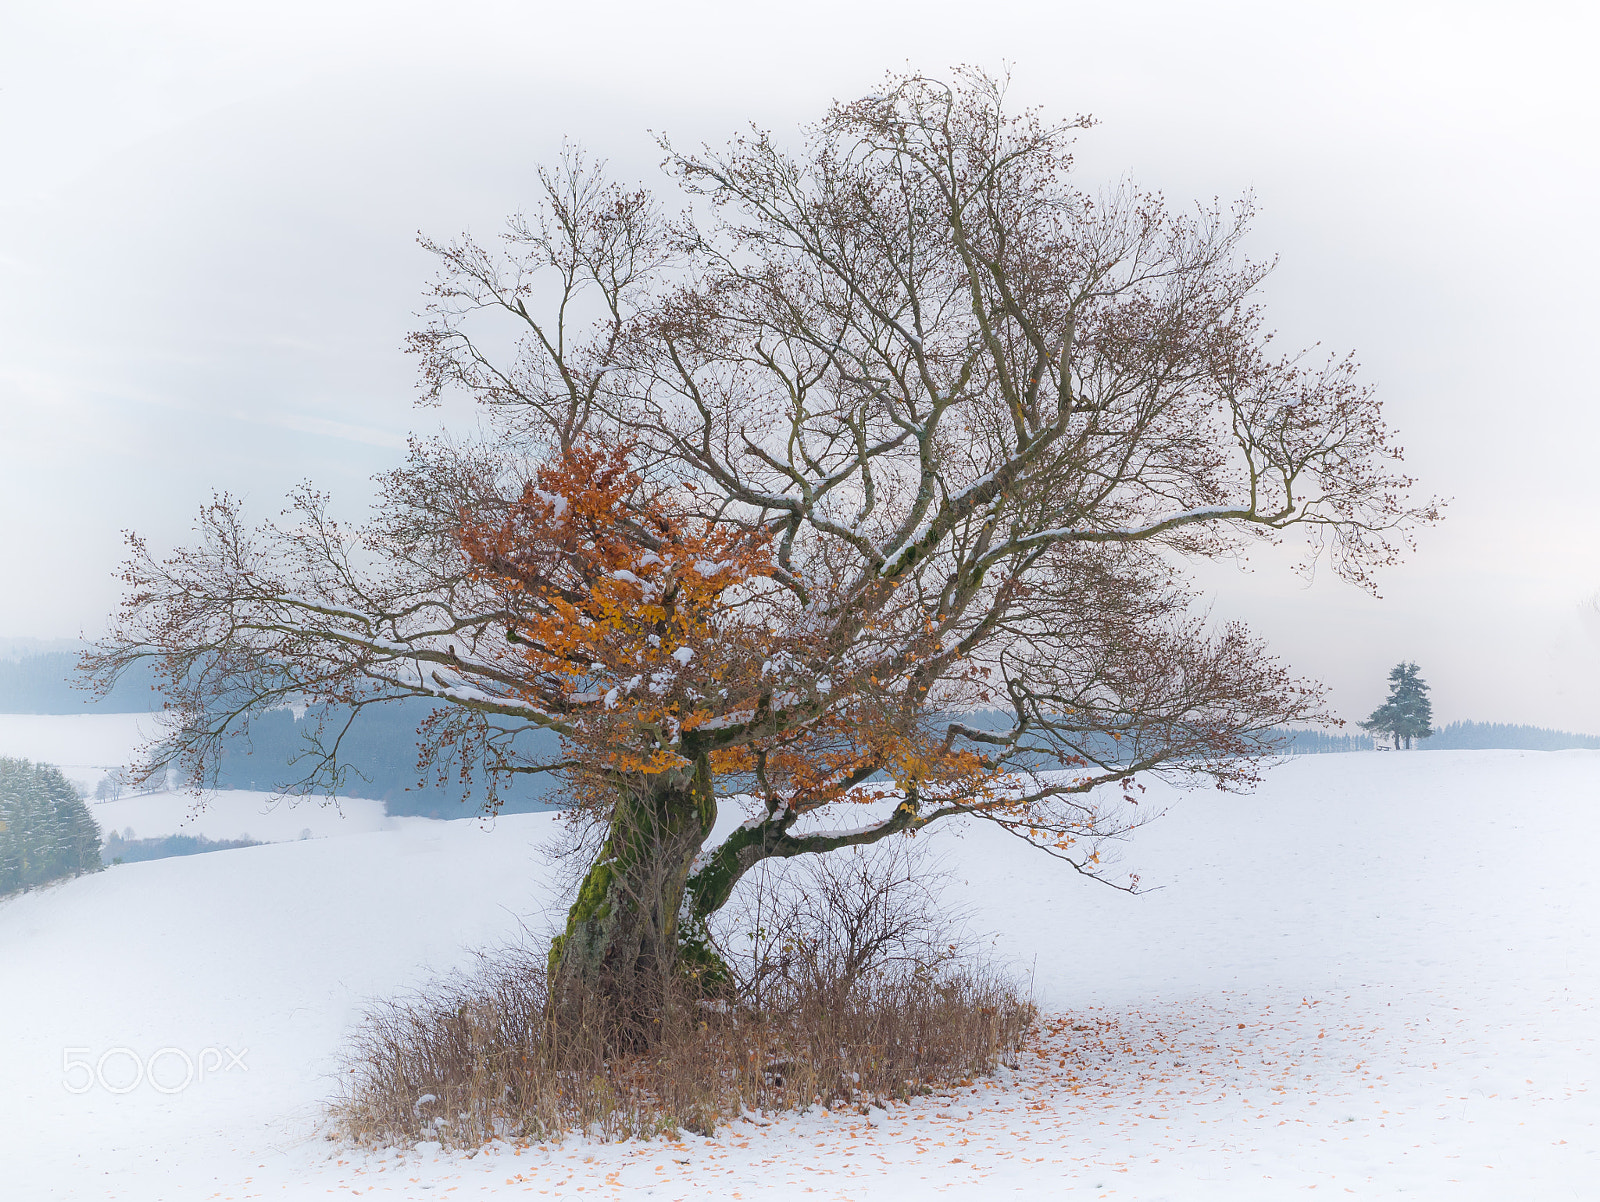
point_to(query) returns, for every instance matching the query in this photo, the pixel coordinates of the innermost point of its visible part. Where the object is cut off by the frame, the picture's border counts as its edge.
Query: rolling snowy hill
(1378, 974)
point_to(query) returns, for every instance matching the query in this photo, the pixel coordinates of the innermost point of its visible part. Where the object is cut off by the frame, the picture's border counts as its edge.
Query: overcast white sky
(207, 256)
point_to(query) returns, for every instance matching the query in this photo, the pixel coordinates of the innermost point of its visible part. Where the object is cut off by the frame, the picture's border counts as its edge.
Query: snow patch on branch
(557, 503)
(911, 543)
(1188, 515)
(844, 832)
(303, 602)
(736, 718)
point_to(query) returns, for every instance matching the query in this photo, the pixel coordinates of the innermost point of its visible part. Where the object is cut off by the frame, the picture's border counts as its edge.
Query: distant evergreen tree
(46, 832)
(1407, 714)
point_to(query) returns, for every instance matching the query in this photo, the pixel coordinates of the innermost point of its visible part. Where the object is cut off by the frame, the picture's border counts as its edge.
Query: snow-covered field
(1377, 975)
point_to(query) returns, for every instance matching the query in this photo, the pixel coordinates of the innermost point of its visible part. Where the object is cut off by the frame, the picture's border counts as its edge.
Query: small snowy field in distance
(1376, 975)
(84, 746)
(88, 746)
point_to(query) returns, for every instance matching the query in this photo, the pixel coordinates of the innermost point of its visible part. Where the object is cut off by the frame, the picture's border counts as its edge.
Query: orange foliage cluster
(641, 622)
(627, 607)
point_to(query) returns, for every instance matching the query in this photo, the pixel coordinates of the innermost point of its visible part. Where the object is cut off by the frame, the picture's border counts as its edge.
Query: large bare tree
(875, 435)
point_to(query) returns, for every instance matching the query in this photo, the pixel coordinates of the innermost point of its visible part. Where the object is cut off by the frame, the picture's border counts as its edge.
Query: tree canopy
(778, 485)
(1408, 713)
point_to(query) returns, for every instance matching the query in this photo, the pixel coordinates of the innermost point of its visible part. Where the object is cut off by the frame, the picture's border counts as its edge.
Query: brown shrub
(853, 989)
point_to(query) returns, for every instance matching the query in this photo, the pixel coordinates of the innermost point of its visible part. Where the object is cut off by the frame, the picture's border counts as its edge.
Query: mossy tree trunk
(620, 951)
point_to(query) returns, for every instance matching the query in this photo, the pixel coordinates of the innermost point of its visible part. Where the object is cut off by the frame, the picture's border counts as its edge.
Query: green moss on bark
(621, 941)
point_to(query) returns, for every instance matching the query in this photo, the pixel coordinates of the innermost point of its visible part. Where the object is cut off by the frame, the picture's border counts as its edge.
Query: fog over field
(210, 257)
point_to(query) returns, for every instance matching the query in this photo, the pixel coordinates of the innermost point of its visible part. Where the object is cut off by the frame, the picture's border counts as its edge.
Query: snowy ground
(1377, 975)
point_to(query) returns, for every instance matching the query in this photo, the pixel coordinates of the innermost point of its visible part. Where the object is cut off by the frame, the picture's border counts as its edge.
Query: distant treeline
(1317, 742)
(1457, 736)
(44, 684)
(381, 749)
(118, 850)
(1472, 735)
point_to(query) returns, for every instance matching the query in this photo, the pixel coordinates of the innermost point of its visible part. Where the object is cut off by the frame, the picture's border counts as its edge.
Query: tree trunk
(620, 952)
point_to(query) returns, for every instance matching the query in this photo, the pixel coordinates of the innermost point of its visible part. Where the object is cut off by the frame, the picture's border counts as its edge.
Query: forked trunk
(618, 958)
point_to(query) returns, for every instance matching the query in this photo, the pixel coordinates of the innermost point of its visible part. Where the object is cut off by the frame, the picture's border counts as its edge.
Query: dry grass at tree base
(853, 990)
(480, 1060)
